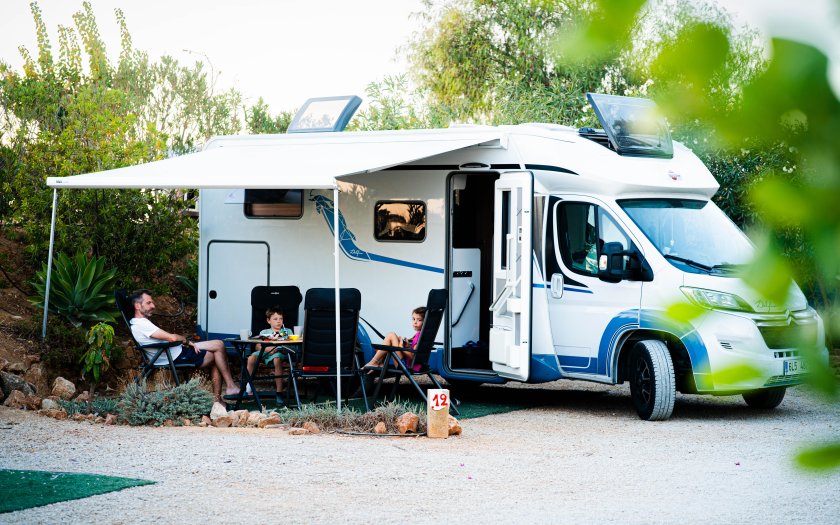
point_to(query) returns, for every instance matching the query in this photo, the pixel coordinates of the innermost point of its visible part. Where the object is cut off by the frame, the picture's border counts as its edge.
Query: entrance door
(234, 268)
(510, 333)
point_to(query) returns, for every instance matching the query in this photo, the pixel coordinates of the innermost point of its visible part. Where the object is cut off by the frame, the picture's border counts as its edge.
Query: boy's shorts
(269, 356)
(189, 355)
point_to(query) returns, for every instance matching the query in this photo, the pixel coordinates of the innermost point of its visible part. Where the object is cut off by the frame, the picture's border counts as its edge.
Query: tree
(79, 113)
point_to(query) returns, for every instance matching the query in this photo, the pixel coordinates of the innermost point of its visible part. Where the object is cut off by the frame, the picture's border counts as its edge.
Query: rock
(254, 418)
(9, 382)
(54, 413)
(218, 411)
(3, 363)
(380, 428)
(298, 431)
(312, 427)
(240, 418)
(30, 359)
(15, 399)
(205, 421)
(32, 402)
(49, 404)
(223, 421)
(83, 417)
(168, 423)
(407, 423)
(454, 427)
(111, 419)
(269, 420)
(84, 397)
(63, 388)
(36, 377)
(187, 422)
(17, 367)
(2, 395)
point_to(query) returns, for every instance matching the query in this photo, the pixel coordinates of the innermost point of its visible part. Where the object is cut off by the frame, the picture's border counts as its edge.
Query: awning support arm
(49, 266)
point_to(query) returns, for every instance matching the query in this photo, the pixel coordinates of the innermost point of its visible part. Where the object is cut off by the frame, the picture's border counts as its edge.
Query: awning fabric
(313, 160)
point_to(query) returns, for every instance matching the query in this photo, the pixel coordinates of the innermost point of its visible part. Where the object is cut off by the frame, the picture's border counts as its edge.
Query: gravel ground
(584, 457)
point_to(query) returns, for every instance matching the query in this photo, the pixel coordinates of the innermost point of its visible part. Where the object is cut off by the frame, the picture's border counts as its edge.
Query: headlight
(715, 300)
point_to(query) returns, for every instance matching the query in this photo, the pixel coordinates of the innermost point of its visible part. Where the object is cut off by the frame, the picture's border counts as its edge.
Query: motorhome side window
(273, 204)
(399, 221)
(582, 230)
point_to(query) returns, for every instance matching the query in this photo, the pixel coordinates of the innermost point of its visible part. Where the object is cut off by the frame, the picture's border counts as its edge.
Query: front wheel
(652, 383)
(766, 399)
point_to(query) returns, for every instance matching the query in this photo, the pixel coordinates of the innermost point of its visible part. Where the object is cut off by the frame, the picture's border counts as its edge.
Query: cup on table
(298, 330)
(244, 334)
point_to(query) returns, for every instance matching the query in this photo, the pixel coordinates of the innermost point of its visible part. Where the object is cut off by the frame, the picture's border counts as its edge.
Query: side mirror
(611, 262)
(612, 267)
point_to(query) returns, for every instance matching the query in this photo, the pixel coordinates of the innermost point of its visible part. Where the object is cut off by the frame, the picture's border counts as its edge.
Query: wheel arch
(676, 348)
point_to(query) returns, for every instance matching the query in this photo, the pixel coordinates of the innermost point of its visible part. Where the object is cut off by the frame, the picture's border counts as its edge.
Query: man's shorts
(269, 355)
(189, 355)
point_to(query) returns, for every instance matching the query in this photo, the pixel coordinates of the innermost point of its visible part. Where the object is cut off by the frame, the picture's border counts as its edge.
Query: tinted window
(399, 221)
(276, 204)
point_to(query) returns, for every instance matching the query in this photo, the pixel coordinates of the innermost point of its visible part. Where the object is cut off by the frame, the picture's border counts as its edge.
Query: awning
(284, 161)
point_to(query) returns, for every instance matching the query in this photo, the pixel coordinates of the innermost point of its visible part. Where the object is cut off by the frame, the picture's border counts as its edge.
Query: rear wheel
(652, 382)
(765, 399)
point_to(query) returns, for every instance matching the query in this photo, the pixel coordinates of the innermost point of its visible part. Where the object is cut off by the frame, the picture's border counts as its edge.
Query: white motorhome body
(520, 225)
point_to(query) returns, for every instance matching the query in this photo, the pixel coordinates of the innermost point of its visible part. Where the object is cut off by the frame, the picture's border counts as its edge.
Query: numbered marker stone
(437, 413)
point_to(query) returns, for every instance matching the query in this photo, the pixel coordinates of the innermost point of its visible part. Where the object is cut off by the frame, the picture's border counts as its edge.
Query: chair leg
(293, 381)
(452, 401)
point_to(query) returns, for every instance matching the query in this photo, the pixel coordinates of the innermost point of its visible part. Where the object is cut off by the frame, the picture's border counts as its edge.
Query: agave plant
(80, 289)
(190, 281)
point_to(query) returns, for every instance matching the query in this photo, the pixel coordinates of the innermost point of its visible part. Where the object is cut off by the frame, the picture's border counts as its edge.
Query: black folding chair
(317, 358)
(288, 299)
(149, 353)
(435, 306)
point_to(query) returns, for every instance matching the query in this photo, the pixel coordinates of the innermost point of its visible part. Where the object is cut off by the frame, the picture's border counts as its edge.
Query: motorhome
(562, 249)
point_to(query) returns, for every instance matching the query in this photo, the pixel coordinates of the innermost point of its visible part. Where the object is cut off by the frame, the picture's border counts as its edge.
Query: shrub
(80, 289)
(99, 407)
(190, 400)
(325, 416)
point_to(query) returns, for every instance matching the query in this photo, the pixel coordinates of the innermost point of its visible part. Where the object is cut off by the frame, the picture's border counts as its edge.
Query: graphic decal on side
(347, 240)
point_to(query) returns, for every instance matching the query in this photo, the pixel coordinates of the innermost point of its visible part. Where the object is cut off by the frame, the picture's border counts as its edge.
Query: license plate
(794, 367)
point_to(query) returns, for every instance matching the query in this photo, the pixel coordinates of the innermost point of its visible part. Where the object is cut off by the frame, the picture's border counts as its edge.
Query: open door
(510, 333)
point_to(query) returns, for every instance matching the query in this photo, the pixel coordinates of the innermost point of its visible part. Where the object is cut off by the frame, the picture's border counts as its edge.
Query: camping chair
(288, 299)
(435, 306)
(317, 357)
(149, 364)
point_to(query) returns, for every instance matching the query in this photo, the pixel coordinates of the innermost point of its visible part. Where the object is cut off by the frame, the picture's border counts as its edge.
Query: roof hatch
(632, 126)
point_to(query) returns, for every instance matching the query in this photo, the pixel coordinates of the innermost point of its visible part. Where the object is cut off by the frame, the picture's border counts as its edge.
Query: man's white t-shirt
(143, 329)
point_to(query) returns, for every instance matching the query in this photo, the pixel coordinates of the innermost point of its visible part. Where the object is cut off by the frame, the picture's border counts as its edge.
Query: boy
(274, 318)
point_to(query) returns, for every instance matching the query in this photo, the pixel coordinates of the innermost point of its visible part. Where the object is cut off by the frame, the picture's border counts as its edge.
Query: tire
(653, 387)
(765, 399)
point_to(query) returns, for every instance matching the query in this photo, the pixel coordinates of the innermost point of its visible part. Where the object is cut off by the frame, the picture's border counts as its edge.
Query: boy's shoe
(279, 398)
(248, 390)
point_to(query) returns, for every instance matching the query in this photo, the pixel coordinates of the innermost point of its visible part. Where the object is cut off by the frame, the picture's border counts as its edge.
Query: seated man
(201, 353)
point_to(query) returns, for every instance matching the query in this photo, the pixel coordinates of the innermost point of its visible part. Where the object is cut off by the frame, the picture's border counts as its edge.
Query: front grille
(786, 354)
(789, 336)
(783, 380)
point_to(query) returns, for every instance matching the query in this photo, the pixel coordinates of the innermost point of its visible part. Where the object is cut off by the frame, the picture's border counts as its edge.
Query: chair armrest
(165, 344)
(388, 348)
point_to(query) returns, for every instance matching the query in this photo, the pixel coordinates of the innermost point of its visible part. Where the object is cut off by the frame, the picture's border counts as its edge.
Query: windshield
(695, 236)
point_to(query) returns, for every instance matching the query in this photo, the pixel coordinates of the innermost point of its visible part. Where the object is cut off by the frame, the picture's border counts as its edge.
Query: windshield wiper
(693, 264)
(728, 267)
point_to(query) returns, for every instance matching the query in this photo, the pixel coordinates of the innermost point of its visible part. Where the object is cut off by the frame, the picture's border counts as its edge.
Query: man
(201, 353)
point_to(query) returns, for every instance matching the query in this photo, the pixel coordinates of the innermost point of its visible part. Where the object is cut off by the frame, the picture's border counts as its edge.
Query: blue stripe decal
(565, 288)
(347, 240)
(658, 321)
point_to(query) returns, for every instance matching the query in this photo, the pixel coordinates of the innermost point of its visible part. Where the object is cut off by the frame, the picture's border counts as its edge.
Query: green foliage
(258, 119)
(190, 281)
(96, 359)
(80, 289)
(75, 112)
(99, 406)
(189, 400)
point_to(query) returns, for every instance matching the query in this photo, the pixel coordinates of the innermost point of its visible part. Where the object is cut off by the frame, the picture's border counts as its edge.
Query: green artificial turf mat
(24, 489)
